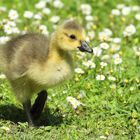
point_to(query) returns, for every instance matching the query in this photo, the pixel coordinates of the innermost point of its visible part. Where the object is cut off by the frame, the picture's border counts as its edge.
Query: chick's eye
(72, 36)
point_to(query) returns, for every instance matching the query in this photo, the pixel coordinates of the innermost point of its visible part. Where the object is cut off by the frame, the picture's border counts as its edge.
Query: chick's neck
(55, 50)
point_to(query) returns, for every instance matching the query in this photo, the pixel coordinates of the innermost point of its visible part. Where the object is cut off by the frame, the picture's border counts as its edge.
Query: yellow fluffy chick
(33, 62)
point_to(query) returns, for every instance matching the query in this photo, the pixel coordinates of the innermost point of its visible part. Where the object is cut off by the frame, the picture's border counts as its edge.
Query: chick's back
(22, 51)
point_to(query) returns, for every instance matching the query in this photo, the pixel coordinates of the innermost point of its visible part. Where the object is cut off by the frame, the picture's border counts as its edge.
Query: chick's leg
(27, 107)
(38, 106)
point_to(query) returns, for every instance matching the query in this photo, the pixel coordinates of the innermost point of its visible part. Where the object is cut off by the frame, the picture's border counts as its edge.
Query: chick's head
(71, 35)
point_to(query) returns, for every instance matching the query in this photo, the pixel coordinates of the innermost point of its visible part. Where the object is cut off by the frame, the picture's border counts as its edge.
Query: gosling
(33, 62)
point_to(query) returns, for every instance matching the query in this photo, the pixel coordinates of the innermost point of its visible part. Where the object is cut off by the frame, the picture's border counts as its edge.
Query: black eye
(72, 36)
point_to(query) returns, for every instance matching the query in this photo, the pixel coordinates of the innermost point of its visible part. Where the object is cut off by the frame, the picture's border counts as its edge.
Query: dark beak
(85, 47)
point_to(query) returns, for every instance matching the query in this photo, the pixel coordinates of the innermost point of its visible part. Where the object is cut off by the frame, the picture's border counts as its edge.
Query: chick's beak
(85, 47)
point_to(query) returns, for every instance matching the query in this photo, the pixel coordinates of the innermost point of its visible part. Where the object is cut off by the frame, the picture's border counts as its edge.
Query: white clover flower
(48, 1)
(135, 8)
(89, 64)
(38, 16)
(4, 21)
(136, 50)
(115, 47)
(100, 77)
(137, 16)
(40, 5)
(116, 40)
(108, 32)
(126, 11)
(91, 34)
(13, 14)
(115, 12)
(89, 18)
(46, 11)
(103, 36)
(43, 29)
(74, 102)
(104, 46)
(10, 23)
(3, 9)
(129, 30)
(113, 86)
(103, 137)
(28, 14)
(97, 51)
(4, 39)
(132, 88)
(81, 55)
(105, 57)
(120, 6)
(79, 71)
(103, 64)
(8, 29)
(54, 19)
(15, 30)
(116, 56)
(117, 60)
(86, 9)
(111, 78)
(82, 94)
(89, 25)
(58, 4)
(2, 76)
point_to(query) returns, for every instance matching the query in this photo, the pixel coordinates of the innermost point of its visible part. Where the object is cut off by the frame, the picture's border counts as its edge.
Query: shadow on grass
(15, 114)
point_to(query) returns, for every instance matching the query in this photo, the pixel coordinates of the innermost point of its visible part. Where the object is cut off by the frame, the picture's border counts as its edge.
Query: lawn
(102, 100)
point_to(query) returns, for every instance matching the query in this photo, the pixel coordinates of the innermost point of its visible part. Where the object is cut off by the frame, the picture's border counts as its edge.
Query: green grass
(112, 114)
